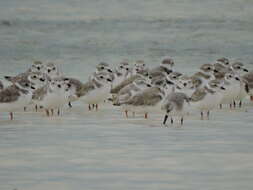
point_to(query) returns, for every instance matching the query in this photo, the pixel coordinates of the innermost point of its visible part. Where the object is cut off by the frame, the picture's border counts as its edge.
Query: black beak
(185, 84)
(33, 88)
(42, 80)
(216, 71)
(165, 119)
(69, 85)
(148, 85)
(109, 80)
(236, 78)
(245, 70)
(109, 70)
(38, 68)
(222, 88)
(59, 86)
(48, 70)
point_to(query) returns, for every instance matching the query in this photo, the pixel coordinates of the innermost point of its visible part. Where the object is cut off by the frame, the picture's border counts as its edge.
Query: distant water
(103, 150)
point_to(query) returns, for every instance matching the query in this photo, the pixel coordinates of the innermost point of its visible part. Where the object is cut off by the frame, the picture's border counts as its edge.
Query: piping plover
(16, 96)
(248, 78)
(165, 66)
(148, 99)
(52, 96)
(140, 74)
(51, 70)
(129, 91)
(208, 97)
(96, 90)
(173, 104)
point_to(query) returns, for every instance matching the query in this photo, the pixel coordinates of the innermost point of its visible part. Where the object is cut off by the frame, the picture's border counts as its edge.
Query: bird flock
(135, 88)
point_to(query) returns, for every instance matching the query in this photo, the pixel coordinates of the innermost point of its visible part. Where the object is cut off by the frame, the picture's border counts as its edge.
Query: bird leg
(126, 113)
(165, 119)
(202, 115)
(11, 115)
(240, 104)
(36, 108)
(52, 112)
(70, 105)
(89, 107)
(220, 106)
(146, 116)
(208, 114)
(96, 107)
(234, 104)
(58, 112)
(47, 112)
(182, 121)
(24, 108)
(171, 120)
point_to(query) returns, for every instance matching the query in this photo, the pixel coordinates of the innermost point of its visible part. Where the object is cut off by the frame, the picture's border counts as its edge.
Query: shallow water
(103, 150)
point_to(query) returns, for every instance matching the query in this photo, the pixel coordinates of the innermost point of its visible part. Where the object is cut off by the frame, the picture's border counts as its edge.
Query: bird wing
(88, 86)
(147, 97)
(199, 94)
(9, 94)
(124, 83)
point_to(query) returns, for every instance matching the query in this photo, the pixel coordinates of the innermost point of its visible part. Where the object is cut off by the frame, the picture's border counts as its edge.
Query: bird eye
(26, 84)
(53, 68)
(101, 77)
(102, 68)
(238, 67)
(121, 67)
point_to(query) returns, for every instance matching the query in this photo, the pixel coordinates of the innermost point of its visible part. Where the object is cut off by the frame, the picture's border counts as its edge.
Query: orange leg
(126, 113)
(11, 115)
(47, 112)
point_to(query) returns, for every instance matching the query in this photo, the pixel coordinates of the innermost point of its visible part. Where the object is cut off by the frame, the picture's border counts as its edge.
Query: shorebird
(165, 66)
(129, 91)
(206, 74)
(148, 99)
(16, 96)
(96, 90)
(233, 85)
(174, 106)
(139, 74)
(51, 70)
(103, 67)
(52, 96)
(186, 85)
(248, 78)
(208, 97)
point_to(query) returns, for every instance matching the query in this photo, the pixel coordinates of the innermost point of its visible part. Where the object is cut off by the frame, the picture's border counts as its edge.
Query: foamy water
(104, 150)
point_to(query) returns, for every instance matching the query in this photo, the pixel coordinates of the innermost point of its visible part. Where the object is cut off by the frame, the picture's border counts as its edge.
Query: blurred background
(81, 33)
